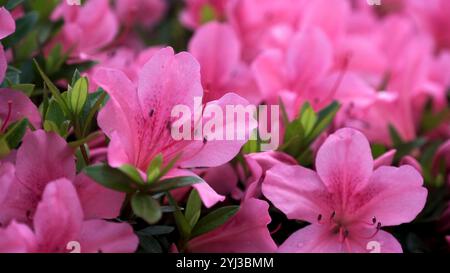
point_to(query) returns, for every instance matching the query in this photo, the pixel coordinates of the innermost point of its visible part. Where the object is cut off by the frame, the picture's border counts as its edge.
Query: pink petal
(296, 191)
(223, 179)
(208, 195)
(312, 239)
(268, 71)
(304, 70)
(35, 168)
(168, 80)
(318, 239)
(245, 232)
(384, 159)
(7, 24)
(108, 237)
(97, 201)
(393, 195)
(216, 68)
(217, 152)
(120, 117)
(259, 163)
(58, 216)
(3, 64)
(7, 171)
(22, 107)
(17, 238)
(344, 162)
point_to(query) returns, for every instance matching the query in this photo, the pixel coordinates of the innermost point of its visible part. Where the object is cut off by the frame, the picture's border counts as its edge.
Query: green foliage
(303, 130)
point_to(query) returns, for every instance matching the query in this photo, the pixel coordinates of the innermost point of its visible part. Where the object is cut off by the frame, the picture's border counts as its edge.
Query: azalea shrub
(242, 126)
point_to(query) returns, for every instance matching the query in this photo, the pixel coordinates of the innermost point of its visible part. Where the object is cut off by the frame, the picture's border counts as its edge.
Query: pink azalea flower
(35, 167)
(191, 16)
(345, 200)
(59, 221)
(433, 16)
(224, 72)
(15, 105)
(87, 28)
(7, 26)
(245, 232)
(144, 12)
(138, 120)
(293, 71)
(253, 19)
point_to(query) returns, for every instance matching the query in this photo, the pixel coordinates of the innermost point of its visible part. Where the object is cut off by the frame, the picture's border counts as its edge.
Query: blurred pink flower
(143, 12)
(87, 28)
(245, 232)
(224, 72)
(7, 26)
(138, 119)
(191, 16)
(346, 201)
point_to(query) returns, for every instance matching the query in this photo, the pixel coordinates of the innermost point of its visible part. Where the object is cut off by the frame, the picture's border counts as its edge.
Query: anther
(333, 215)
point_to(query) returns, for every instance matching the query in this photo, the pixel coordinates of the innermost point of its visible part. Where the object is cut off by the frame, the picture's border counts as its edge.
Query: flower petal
(344, 162)
(393, 195)
(296, 191)
(58, 216)
(102, 236)
(97, 201)
(244, 232)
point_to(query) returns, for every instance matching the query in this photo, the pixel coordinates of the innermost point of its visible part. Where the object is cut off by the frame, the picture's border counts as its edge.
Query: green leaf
(77, 143)
(193, 208)
(149, 244)
(169, 165)
(146, 207)
(15, 133)
(182, 224)
(207, 13)
(93, 104)
(156, 230)
(173, 183)
(110, 178)
(308, 118)
(214, 220)
(324, 118)
(78, 95)
(12, 4)
(75, 77)
(55, 59)
(153, 170)
(53, 89)
(26, 88)
(132, 173)
(4, 149)
(395, 136)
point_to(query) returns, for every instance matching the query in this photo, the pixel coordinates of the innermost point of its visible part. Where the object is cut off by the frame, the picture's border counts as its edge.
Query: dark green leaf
(110, 178)
(173, 183)
(214, 220)
(15, 133)
(156, 230)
